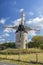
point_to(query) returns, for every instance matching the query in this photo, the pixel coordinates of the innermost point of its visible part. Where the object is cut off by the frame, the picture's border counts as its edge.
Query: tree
(37, 41)
(9, 44)
(41, 46)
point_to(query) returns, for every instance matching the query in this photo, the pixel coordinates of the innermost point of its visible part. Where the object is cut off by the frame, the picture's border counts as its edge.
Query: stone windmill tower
(21, 32)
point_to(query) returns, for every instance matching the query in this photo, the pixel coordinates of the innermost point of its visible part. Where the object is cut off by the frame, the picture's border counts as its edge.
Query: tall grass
(22, 51)
(25, 56)
(24, 59)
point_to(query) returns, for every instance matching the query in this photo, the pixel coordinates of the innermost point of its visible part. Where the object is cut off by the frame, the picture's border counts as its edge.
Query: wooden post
(36, 57)
(19, 55)
(26, 48)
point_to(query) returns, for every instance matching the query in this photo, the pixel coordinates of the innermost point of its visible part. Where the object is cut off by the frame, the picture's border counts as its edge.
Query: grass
(23, 59)
(16, 51)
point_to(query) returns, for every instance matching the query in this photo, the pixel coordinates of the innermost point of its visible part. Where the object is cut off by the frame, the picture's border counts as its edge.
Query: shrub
(41, 46)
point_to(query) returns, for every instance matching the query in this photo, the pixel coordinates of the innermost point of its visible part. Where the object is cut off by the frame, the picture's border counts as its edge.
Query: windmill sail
(23, 18)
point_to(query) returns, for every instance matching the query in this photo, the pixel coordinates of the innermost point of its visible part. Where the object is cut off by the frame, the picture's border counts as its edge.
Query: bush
(41, 46)
(9, 45)
(33, 45)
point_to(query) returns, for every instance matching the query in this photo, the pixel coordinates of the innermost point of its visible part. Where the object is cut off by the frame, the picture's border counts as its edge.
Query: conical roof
(21, 28)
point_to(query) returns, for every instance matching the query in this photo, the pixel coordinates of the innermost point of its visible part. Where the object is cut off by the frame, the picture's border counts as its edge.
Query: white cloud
(6, 34)
(2, 39)
(2, 20)
(32, 33)
(17, 22)
(13, 30)
(38, 21)
(21, 10)
(31, 13)
(7, 30)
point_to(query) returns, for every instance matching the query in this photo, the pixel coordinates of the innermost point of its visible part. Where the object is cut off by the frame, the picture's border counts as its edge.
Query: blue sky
(10, 15)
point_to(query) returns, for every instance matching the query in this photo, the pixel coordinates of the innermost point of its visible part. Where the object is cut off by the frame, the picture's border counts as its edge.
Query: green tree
(37, 41)
(9, 44)
(41, 46)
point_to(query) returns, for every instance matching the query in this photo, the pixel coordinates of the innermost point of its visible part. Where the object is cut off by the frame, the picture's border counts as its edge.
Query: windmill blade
(36, 28)
(30, 28)
(14, 27)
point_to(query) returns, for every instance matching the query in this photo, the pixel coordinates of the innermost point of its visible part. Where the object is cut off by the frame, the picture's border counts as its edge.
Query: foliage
(41, 46)
(37, 41)
(8, 45)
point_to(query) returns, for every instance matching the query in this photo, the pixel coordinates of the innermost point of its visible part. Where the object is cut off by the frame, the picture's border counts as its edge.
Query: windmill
(21, 32)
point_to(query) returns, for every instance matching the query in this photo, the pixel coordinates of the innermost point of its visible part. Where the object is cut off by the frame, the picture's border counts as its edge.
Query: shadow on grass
(31, 62)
